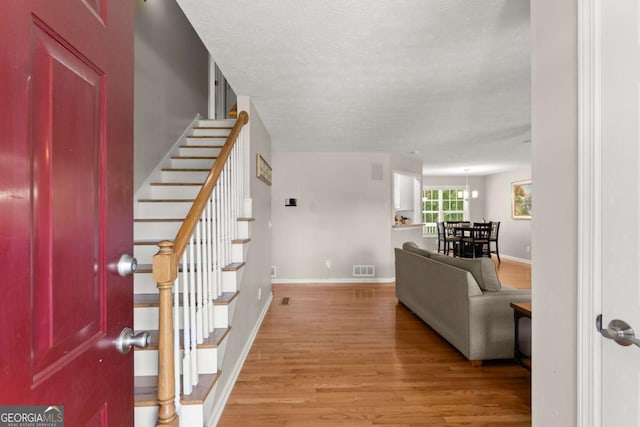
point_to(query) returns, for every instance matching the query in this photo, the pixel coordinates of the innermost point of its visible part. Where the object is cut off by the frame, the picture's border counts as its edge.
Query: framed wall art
(521, 199)
(263, 170)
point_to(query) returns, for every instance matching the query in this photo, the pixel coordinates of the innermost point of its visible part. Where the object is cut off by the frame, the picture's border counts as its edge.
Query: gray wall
(343, 214)
(515, 234)
(554, 231)
(257, 271)
(171, 82)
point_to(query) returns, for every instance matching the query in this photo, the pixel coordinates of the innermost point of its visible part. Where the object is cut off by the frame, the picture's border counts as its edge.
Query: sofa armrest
(491, 324)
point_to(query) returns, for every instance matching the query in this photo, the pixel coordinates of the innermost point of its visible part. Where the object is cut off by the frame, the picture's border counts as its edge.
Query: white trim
(225, 392)
(166, 160)
(589, 356)
(212, 88)
(514, 258)
(333, 280)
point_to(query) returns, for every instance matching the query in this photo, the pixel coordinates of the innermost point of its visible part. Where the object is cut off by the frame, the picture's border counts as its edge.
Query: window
(442, 204)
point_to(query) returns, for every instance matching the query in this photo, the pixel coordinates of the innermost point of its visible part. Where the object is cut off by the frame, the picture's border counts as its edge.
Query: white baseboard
(513, 258)
(221, 401)
(335, 280)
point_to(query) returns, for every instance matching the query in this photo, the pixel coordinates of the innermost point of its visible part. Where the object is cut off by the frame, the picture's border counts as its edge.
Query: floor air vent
(285, 301)
(364, 270)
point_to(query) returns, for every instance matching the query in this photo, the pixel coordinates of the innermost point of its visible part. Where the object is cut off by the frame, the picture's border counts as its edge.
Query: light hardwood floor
(350, 355)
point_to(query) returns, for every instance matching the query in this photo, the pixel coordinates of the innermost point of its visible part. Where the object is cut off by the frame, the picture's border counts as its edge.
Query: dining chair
(478, 241)
(447, 237)
(493, 238)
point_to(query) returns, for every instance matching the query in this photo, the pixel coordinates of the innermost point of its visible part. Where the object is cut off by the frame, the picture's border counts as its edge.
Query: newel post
(165, 271)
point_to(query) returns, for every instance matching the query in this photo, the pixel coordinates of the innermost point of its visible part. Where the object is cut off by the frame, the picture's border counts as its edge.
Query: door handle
(128, 339)
(127, 265)
(619, 331)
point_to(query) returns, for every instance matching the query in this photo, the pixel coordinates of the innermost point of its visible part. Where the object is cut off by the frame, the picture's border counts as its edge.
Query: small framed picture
(521, 199)
(263, 170)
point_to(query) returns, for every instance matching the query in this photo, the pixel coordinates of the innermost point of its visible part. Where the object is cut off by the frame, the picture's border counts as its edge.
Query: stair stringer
(231, 367)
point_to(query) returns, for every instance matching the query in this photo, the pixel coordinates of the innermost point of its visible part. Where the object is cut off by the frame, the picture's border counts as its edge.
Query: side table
(520, 310)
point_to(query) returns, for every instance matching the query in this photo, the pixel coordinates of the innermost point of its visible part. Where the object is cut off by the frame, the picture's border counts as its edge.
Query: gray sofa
(461, 299)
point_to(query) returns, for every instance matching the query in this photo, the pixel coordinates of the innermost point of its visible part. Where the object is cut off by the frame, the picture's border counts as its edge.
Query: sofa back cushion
(482, 269)
(412, 247)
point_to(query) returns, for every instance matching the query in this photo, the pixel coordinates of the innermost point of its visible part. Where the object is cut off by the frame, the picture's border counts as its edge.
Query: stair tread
(194, 157)
(158, 220)
(166, 201)
(185, 170)
(234, 266)
(178, 184)
(203, 146)
(146, 390)
(208, 136)
(213, 127)
(249, 219)
(153, 300)
(213, 341)
(151, 242)
(237, 241)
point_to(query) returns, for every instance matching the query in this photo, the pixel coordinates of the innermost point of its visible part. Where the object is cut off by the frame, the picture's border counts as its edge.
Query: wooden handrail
(165, 272)
(190, 222)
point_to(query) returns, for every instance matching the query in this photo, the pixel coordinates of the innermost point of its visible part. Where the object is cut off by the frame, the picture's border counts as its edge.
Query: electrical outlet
(259, 294)
(327, 263)
(528, 248)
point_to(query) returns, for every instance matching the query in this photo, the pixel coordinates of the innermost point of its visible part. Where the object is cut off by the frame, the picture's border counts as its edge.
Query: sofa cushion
(482, 269)
(412, 247)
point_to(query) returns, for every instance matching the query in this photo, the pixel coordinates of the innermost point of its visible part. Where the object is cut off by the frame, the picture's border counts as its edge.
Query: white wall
(515, 234)
(343, 215)
(554, 231)
(171, 81)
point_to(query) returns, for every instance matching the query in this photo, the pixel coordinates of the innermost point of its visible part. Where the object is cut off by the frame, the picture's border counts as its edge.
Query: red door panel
(66, 76)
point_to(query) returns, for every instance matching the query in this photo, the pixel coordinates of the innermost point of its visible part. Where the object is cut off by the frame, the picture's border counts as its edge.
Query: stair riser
(144, 253)
(183, 176)
(216, 123)
(155, 230)
(174, 191)
(146, 362)
(160, 210)
(231, 280)
(192, 163)
(210, 132)
(244, 229)
(143, 284)
(201, 151)
(239, 252)
(146, 318)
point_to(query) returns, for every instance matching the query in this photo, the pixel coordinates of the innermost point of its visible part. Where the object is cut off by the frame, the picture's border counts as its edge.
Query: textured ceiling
(447, 81)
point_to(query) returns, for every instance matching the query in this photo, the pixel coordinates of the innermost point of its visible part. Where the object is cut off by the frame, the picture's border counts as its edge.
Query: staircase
(207, 278)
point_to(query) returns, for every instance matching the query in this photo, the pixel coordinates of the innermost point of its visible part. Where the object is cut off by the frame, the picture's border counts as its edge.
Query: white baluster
(199, 302)
(176, 340)
(218, 239)
(210, 264)
(206, 240)
(192, 314)
(187, 387)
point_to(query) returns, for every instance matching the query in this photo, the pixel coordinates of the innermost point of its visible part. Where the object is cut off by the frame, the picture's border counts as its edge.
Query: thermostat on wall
(291, 202)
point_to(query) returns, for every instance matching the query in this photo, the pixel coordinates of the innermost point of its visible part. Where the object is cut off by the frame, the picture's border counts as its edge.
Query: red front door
(66, 145)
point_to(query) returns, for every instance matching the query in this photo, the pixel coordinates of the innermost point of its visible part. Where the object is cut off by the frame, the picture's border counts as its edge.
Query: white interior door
(620, 206)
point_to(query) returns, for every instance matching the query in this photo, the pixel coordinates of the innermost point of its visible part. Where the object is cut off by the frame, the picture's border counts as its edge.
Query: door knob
(127, 265)
(128, 339)
(619, 331)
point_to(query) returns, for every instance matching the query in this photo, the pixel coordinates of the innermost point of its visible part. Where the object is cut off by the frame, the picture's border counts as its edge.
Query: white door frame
(589, 354)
